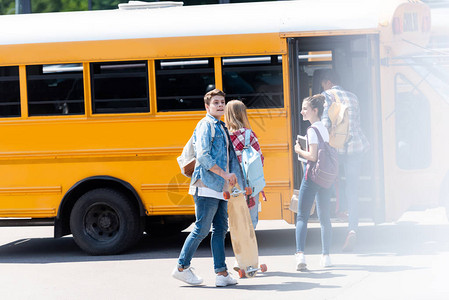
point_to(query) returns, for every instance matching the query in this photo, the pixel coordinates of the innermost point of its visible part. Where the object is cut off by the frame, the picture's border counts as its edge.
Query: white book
(302, 141)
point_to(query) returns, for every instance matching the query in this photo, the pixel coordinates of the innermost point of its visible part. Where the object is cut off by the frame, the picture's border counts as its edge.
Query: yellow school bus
(433, 67)
(96, 106)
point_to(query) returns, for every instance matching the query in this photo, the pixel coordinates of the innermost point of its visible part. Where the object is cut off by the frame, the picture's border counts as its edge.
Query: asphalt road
(408, 259)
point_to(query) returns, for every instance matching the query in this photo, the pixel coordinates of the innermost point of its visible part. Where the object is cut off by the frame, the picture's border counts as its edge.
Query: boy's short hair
(330, 75)
(210, 94)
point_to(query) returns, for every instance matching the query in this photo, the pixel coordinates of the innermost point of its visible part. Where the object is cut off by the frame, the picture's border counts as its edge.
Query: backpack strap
(310, 164)
(247, 137)
(212, 130)
(320, 138)
(212, 127)
(335, 94)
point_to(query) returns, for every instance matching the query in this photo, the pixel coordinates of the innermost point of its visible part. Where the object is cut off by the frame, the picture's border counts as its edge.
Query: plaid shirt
(357, 141)
(238, 141)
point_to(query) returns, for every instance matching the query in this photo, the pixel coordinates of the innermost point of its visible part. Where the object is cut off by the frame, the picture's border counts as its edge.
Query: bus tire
(104, 222)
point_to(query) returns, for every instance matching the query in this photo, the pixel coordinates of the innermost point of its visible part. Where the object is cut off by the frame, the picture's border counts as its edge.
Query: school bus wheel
(104, 221)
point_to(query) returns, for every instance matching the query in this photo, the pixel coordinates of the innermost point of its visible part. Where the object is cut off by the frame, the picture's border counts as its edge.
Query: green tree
(7, 7)
(106, 4)
(41, 6)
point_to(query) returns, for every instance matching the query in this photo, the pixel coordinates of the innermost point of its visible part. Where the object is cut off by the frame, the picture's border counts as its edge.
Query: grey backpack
(187, 159)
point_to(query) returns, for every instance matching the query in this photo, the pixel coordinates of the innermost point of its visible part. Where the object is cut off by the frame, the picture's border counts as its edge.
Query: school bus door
(355, 58)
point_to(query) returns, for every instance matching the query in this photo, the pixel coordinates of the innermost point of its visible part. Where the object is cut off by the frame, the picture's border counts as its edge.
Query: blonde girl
(237, 122)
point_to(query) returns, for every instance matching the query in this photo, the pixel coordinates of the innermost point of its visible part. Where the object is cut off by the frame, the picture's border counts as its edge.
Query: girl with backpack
(236, 120)
(312, 110)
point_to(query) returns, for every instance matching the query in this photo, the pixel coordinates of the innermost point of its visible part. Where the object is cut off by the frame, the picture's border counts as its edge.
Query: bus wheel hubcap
(102, 222)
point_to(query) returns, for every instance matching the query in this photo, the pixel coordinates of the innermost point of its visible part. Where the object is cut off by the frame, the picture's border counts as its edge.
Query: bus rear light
(397, 25)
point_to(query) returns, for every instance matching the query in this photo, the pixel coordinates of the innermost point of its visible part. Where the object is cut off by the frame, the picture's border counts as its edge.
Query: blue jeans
(208, 211)
(307, 193)
(348, 193)
(254, 212)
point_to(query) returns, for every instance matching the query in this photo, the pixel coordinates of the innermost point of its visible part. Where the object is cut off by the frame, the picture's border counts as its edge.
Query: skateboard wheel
(241, 273)
(226, 195)
(248, 190)
(263, 267)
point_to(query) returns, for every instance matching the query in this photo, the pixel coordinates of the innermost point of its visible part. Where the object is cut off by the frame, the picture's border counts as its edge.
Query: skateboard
(243, 237)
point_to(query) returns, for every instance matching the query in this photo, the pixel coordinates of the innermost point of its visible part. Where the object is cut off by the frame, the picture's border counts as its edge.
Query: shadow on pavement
(280, 287)
(400, 239)
(304, 274)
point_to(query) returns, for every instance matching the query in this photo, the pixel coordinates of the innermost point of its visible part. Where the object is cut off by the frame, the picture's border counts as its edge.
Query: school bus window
(120, 87)
(256, 80)
(9, 92)
(410, 22)
(55, 90)
(435, 71)
(182, 83)
(412, 109)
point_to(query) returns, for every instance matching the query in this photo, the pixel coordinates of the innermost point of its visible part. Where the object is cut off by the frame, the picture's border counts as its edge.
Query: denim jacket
(209, 153)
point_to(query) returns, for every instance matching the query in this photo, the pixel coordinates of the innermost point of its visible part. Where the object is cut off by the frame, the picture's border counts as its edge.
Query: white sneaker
(188, 276)
(326, 261)
(300, 261)
(225, 280)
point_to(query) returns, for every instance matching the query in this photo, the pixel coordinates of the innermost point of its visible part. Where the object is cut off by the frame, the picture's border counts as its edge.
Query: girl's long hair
(235, 115)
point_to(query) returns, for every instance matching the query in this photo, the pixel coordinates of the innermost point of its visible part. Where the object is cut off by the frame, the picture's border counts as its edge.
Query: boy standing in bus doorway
(217, 167)
(350, 157)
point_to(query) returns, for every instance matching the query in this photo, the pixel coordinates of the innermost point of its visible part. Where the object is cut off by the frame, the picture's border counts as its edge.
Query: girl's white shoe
(326, 261)
(300, 261)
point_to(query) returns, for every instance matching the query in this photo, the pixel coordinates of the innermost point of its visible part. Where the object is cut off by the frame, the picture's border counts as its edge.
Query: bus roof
(202, 20)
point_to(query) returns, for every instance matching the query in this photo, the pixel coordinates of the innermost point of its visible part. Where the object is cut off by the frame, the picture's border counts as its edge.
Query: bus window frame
(281, 57)
(26, 79)
(92, 114)
(24, 96)
(20, 116)
(183, 112)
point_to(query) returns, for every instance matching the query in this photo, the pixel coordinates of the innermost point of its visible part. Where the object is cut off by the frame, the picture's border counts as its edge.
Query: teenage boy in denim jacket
(217, 167)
